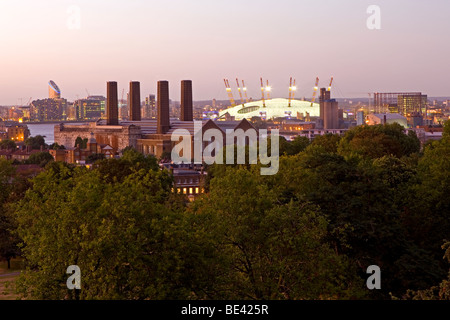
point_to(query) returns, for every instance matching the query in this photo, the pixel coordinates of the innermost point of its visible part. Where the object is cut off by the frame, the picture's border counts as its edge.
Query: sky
(82, 44)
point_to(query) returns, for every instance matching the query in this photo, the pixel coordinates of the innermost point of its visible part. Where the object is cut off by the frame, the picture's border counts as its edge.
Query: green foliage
(113, 170)
(439, 292)
(56, 146)
(269, 250)
(329, 142)
(335, 207)
(95, 157)
(446, 132)
(40, 158)
(35, 142)
(380, 140)
(82, 143)
(8, 240)
(122, 236)
(365, 201)
(7, 145)
(429, 217)
(296, 146)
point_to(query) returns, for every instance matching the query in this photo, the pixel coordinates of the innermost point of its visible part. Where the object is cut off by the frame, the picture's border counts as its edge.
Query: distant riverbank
(57, 122)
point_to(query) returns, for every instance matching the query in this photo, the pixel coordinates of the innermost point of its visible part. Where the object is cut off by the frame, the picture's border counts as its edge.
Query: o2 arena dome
(274, 108)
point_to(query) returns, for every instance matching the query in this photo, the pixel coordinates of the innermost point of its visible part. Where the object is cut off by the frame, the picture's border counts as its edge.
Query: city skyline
(151, 41)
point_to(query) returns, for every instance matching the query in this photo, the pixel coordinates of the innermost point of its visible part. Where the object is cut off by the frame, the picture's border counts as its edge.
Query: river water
(43, 129)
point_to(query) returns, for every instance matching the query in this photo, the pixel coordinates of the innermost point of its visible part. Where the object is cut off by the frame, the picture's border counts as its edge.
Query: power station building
(149, 136)
(329, 111)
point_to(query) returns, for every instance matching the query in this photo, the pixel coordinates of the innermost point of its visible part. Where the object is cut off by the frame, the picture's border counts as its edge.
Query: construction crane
(244, 88)
(316, 87)
(230, 94)
(21, 102)
(262, 92)
(331, 82)
(292, 89)
(240, 93)
(268, 88)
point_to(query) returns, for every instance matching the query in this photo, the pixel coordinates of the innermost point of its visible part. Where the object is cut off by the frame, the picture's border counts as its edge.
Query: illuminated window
(196, 190)
(190, 191)
(184, 190)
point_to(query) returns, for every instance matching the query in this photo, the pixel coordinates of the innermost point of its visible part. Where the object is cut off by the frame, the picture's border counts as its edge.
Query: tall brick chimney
(112, 106)
(186, 101)
(324, 96)
(135, 101)
(163, 107)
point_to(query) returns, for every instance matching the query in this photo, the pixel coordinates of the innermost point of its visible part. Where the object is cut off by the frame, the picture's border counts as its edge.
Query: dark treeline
(336, 206)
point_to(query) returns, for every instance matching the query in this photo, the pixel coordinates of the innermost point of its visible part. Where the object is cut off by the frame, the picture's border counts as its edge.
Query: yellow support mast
(331, 82)
(230, 94)
(268, 89)
(240, 93)
(316, 87)
(244, 88)
(262, 92)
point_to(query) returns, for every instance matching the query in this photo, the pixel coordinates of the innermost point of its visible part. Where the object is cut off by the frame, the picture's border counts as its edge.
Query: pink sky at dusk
(206, 41)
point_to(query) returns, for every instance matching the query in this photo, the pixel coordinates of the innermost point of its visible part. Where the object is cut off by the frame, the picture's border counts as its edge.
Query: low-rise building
(386, 118)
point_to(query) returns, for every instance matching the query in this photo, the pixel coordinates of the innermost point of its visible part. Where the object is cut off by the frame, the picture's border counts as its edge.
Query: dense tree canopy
(336, 206)
(35, 142)
(7, 145)
(379, 140)
(40, 158)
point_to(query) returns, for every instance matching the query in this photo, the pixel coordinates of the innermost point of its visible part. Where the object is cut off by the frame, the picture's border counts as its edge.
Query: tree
(40, 158)
(94, 157)
(428, 219)
(122, 235)
(293, 147)
(268, 250)
(378, 141)
(328, 141)
(35, 142)
(8, 145)
(56, 146)
(8, 240)
(439, 292)
(366, 202)
(80, 142)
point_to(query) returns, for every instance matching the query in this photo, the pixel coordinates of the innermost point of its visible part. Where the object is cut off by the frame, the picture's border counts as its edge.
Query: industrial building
(386, 118)
(147, 136)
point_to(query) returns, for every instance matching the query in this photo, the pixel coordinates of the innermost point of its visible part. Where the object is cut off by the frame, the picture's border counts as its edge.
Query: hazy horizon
(207, 41)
